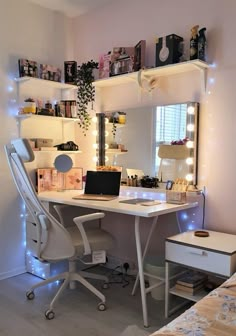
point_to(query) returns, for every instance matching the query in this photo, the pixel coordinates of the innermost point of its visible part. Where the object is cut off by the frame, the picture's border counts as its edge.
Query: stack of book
(191, 283)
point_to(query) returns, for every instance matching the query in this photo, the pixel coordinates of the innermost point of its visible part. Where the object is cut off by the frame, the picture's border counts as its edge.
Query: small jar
(122, 119)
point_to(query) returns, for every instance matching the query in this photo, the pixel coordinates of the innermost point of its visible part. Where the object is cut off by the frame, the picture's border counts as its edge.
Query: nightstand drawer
(212, 261)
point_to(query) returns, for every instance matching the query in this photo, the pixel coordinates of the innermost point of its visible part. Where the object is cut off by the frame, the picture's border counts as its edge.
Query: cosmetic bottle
(202, 44)
(194, 43)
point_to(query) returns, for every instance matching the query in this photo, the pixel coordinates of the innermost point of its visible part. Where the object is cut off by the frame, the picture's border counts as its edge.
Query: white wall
(126, 22)
(26, 31)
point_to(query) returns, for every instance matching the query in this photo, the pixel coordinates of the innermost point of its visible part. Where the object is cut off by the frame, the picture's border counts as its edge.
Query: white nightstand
(215, 254)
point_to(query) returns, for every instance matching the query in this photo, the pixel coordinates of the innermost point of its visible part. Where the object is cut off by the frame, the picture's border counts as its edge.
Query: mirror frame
(192, 133)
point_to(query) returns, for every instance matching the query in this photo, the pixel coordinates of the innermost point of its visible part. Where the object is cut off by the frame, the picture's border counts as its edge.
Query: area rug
(133, 330)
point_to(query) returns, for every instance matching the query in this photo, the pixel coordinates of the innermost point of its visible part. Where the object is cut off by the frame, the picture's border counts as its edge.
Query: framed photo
(139, 57)
(70, 70)
(169, 184)
(27, 68)
(122, 61)
(49, 179)
(49, 72)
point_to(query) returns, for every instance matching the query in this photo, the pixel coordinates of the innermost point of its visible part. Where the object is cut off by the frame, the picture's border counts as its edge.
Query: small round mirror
(63, 163)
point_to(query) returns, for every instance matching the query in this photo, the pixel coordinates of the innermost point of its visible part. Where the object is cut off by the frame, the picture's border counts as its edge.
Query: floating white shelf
(41, 117)
(46, 83)
(166, 70)
(116, 124)
(58, 152)
(116, 151)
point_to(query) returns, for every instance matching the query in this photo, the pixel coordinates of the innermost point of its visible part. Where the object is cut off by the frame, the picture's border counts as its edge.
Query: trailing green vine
(86, 93)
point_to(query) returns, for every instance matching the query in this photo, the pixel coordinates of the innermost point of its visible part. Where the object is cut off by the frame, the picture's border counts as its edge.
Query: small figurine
(202, 44)
(194, 43)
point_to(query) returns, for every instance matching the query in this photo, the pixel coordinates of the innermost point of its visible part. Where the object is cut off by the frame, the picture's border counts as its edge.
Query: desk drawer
(200, 258)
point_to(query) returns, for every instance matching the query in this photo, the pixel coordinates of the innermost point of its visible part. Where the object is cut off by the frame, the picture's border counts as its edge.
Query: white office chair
(53, 242)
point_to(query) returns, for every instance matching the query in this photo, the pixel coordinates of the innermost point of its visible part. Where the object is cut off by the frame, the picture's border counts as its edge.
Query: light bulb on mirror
(190, 127)
(191, 109)
(95, 158)
(189, 161)
(95, 146)
(95, 120)
(190, 144)
(189, 177)
(106, 159)
(95, 132)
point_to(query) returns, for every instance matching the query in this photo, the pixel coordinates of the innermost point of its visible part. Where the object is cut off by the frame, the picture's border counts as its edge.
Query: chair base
(69, 278)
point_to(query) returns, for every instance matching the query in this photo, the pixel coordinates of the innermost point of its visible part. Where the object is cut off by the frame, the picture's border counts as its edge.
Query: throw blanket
(214, 315)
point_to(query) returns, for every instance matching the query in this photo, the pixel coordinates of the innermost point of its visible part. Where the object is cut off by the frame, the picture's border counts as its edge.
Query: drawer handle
(200, 253)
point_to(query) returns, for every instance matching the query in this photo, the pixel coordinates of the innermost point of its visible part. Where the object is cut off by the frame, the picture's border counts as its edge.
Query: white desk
(129, 209)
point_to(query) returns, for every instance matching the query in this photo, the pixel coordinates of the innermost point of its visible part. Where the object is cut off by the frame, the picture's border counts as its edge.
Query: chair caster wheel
(30, 295)
(105, 285)
(49, 314)
(102, 306)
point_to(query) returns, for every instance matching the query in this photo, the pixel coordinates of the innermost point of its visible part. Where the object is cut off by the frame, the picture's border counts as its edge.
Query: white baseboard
(16, 271)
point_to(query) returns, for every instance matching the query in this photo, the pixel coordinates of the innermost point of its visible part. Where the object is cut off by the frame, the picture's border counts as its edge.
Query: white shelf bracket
(203, 72)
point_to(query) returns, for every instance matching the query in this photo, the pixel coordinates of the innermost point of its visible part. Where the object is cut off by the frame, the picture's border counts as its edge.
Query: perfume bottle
(202, 44)
(194, 43)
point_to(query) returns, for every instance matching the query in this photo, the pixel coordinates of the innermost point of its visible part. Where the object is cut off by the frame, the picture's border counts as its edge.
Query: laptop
(101, 186)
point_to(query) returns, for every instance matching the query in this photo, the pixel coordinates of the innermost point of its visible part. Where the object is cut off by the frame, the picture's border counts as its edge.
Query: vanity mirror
(161, 141)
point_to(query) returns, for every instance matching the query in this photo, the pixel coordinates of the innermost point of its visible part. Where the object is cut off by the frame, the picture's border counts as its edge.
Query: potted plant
(86, 93)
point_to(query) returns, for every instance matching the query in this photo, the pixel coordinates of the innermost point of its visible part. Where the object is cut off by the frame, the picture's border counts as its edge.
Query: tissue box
(168, 50)
(175, 197)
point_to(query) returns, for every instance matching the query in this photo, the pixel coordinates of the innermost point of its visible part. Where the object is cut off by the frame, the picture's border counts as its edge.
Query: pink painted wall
(124, 23)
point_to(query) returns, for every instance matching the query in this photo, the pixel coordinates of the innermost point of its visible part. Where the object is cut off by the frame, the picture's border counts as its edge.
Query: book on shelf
(190, 290)
(192, 280)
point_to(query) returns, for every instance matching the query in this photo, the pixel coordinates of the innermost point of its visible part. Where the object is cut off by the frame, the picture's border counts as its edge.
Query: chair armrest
(79, 223)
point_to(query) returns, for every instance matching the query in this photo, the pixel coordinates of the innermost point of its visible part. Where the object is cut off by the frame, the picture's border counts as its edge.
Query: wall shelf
(46, 83)
(167, 70)
(57, 151)
(21, 117)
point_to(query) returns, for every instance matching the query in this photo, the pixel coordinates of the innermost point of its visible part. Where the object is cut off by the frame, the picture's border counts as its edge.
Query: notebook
(101, 186)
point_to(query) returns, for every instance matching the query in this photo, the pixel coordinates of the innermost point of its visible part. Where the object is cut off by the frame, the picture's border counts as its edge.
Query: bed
(214, 315)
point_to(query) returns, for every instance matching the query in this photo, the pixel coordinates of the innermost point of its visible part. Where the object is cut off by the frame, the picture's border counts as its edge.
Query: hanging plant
(86, 93)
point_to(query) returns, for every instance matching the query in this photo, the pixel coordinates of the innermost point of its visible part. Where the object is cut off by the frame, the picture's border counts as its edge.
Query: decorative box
(175, 197)
(168, 50)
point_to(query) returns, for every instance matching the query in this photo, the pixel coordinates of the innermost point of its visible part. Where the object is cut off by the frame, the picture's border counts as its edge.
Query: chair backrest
(52, 241)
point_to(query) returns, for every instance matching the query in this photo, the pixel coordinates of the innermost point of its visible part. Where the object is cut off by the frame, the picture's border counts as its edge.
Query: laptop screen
(102, 183)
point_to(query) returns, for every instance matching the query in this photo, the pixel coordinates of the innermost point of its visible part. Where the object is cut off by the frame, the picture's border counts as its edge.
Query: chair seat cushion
(98, 239)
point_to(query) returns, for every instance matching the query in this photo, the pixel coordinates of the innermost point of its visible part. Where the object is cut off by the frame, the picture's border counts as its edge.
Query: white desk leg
(167, 288)
(140, 270)
(154, 222)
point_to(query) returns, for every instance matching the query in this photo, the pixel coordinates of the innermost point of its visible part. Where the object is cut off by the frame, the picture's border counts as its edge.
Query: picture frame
(49, 72)
(70, 72)
(49, 179)
(139, 55)
(27, 68)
